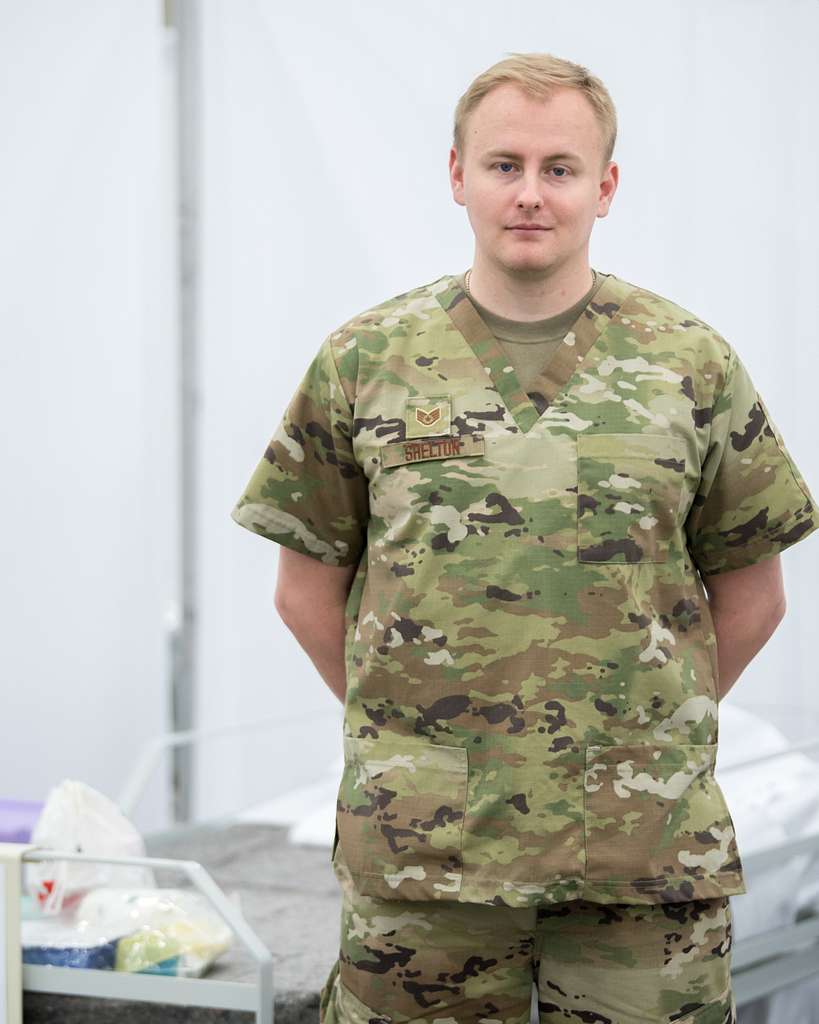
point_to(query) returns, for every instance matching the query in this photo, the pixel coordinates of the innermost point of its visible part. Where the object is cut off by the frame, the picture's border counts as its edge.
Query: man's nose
(530, 193)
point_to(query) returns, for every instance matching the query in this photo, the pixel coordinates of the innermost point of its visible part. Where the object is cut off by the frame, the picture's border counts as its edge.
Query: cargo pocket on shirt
(629, 488)
(657, 820)
(399, 814)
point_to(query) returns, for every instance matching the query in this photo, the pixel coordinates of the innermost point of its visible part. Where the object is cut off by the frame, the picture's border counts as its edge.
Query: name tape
(401, 452)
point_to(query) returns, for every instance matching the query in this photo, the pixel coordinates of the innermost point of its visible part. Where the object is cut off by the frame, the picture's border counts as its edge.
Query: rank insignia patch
(428, 415)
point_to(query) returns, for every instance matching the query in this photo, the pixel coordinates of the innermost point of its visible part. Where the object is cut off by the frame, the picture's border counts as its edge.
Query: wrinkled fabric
(453, 963)
(531, 713)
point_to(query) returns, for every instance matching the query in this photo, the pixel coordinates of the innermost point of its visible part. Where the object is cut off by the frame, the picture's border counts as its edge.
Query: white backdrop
(326, 136)
(87, 419)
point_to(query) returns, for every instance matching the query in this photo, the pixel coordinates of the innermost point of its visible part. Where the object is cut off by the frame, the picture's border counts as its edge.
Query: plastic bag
(148, 931)
(169, 931)
(79, 819)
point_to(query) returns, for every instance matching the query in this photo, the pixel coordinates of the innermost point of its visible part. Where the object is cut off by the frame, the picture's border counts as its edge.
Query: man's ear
(456, 177)
(608, 186)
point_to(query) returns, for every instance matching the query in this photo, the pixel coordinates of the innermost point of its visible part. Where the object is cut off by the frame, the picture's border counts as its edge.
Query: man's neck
(520, 298)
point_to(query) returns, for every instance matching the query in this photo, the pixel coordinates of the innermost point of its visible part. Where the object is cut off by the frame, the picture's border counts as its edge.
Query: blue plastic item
(100, 957)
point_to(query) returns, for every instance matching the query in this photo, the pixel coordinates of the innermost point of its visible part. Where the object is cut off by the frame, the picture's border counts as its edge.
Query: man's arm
(310, 598)
(746, 605)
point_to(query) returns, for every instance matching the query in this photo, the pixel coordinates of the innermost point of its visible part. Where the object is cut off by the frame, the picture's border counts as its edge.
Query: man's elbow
(288, 607)
(299, 605)
(766, 620)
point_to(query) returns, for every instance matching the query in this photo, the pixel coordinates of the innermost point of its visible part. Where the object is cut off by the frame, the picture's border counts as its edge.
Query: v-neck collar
(568, 358)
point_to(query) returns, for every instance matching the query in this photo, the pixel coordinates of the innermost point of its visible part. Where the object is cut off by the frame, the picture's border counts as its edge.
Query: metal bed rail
(202, 992)
(152, 753)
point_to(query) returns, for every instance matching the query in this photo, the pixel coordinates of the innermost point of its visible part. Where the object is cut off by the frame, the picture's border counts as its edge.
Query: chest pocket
(629, 489)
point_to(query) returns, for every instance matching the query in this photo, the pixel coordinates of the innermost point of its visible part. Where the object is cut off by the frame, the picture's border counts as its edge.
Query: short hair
(538, 74)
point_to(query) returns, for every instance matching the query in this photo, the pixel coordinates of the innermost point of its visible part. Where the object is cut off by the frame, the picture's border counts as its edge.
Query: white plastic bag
(79, 819)
(160, 931)
(150, 931)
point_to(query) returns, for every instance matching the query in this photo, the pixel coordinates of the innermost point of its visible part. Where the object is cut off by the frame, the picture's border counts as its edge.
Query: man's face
(533, 161)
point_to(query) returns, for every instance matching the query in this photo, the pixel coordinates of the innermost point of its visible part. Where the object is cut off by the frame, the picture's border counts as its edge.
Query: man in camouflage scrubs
(501, 498)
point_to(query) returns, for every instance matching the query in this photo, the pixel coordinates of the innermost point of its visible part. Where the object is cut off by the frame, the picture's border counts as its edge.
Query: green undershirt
(530, 344)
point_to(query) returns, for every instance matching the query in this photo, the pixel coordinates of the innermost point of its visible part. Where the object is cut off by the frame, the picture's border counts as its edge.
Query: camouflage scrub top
(531, 708)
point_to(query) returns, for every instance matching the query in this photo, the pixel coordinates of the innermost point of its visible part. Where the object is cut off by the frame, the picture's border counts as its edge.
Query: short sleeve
(308, 492)
(752, 502)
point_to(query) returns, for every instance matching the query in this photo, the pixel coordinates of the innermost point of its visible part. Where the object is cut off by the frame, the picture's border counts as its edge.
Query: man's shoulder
(369, 338)
(648, 308)
(377, 322)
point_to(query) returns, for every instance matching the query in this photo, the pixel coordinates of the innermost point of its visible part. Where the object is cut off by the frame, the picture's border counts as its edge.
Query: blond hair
(538, 74)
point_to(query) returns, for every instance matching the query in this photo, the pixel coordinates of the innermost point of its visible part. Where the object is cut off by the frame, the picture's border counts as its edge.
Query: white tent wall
(87, 393)
(327, 135)
(325, 190)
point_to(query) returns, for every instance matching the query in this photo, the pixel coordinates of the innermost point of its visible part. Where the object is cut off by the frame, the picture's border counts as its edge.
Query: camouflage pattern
(531, 710)
(452, 963)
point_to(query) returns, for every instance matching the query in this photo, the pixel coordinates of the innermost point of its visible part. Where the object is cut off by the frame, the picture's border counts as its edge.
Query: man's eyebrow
(516, 156)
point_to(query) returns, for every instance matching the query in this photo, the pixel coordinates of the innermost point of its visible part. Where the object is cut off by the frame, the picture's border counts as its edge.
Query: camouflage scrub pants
(458, 963)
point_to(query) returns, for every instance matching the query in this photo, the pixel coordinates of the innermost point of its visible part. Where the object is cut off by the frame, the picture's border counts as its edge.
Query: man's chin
(529, 266)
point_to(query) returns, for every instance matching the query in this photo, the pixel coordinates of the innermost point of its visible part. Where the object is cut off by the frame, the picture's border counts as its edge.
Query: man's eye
(506, 163)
